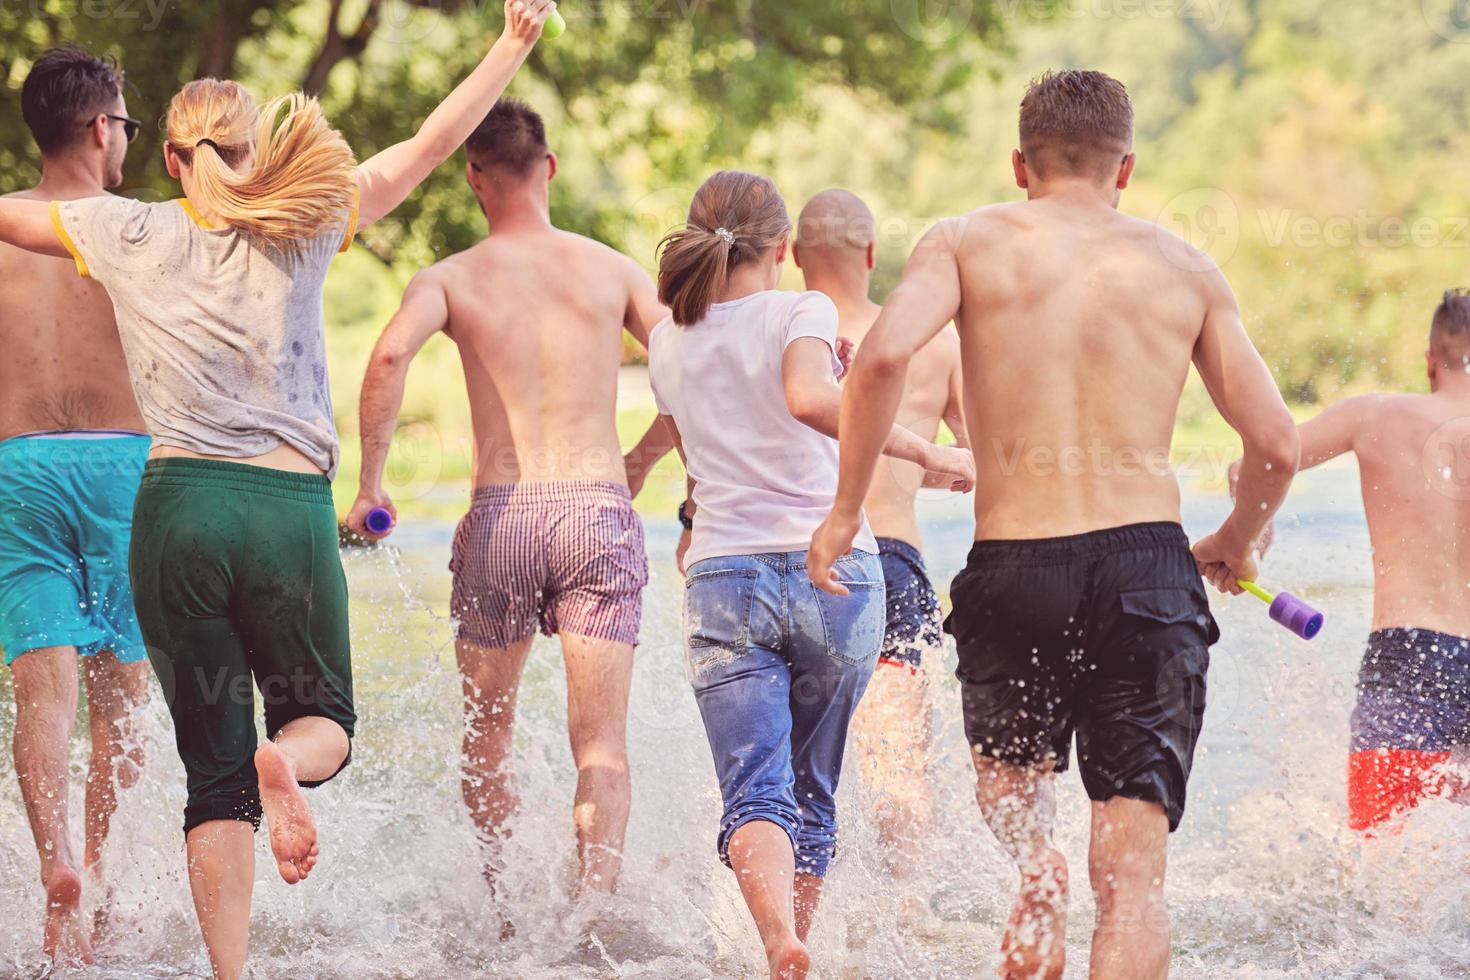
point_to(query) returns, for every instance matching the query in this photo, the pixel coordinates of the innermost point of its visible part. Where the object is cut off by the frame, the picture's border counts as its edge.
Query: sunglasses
(131, 126)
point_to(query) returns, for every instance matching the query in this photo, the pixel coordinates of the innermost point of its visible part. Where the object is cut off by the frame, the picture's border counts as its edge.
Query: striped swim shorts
(562, 557)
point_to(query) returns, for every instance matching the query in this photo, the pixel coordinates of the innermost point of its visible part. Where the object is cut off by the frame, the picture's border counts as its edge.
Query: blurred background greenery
(1317, 149)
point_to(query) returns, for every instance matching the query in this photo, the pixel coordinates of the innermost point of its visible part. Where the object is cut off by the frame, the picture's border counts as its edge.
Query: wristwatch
(684, 517)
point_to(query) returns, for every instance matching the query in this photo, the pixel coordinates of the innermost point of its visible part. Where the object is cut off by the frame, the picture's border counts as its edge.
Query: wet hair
(835, 226)
(303, 180)
(510, 141)
(1449, 337)
(735, 218)
(1076, 123)
(67, 88)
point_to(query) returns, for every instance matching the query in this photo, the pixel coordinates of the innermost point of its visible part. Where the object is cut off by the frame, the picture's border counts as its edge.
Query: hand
(366, 503)
(846, 349)
(950, 467)
(525, 20)
(1225, 562)
(832, 541)
(684, 541)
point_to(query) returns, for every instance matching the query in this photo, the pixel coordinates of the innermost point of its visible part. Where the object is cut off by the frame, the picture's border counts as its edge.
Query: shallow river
(1265, 879)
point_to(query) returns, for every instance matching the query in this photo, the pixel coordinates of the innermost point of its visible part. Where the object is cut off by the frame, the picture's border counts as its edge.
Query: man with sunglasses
(71, 456)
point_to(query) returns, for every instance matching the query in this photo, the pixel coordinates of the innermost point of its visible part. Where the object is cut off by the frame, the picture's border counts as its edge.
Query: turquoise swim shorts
(66, 517)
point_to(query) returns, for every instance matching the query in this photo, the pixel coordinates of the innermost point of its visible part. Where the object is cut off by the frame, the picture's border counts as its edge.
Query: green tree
(651, 86)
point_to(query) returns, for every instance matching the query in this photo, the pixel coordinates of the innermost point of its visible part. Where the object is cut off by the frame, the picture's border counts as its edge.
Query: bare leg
(491, 679)
(1458, 789)
(1126, 862)
(599, 679)
(45, 712)
(808, 900)
(765, 866)
(894, 736)
(1019, 804)
(305, 750)
(114, 691)
(221, 877)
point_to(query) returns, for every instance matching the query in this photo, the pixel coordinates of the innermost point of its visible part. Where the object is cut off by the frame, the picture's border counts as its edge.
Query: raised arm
(425, 311)
(388, 178)
(925, 301)
(28, 224)
(1246, 395)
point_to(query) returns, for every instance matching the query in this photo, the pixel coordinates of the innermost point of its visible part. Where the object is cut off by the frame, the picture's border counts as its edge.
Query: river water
(1265, 879)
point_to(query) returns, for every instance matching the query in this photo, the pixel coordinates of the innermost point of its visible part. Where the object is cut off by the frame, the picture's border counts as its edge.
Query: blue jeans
(778, 667)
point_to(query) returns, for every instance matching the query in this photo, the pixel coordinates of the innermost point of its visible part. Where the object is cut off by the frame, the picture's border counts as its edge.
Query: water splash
(1265, 879)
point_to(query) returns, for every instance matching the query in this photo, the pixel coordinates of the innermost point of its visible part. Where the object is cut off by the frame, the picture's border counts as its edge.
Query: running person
(551, 541)
(1413, 710)
(744, 377)
(1082, 608)
(234, 555)
(72, 451)
(836, 250)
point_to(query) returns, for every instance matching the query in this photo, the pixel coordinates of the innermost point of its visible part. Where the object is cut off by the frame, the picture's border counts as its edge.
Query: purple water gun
(1289, 611)
(379, 520)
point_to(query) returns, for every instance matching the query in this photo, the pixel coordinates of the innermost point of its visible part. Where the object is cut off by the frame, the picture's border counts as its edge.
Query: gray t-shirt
(224, 338)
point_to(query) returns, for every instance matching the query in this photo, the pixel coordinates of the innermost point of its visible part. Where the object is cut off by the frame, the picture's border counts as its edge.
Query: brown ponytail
(735, 218)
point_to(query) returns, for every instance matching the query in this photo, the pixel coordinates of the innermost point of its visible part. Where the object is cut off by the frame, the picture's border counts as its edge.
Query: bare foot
(66, 940)
(1035, 944)
(789, 960)
(293, 833)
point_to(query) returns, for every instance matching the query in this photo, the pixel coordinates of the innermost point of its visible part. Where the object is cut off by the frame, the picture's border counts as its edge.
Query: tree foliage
(657, 86)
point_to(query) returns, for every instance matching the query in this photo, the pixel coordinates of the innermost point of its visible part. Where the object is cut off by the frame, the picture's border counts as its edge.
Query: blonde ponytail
(735, 218)
(302, 181)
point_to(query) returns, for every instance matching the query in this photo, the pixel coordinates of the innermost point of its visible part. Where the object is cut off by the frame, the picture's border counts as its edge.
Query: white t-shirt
(764, 482)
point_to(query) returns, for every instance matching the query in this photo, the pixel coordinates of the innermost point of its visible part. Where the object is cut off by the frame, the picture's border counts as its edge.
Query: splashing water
(1265, 880)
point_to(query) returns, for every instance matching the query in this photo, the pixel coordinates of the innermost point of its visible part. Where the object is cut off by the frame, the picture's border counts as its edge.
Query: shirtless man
(836, 250)
(1413, 452)
(1082, 608)
(551, 540)
(71, 456)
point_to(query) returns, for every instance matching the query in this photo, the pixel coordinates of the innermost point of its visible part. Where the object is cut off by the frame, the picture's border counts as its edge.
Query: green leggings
(235, 573)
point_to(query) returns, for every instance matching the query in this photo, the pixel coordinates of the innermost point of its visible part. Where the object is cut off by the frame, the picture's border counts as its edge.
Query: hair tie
(727, 235)
(207, 143)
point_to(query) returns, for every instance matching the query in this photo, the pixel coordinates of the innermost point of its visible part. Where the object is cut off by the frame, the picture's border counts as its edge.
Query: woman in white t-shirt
(745, 378)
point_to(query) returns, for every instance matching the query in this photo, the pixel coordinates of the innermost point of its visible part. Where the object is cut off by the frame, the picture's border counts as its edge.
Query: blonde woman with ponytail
(746, 382)
(234, 551)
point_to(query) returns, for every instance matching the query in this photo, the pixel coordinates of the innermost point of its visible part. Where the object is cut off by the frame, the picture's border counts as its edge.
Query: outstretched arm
(1333, 433)
(650, 451)
(925, 301)
(388, 178)
(815, 400)
(28, 224)
(425, 311)
(1246, 395)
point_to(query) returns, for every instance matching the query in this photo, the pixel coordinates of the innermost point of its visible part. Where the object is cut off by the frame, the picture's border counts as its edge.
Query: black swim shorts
(1104, 634)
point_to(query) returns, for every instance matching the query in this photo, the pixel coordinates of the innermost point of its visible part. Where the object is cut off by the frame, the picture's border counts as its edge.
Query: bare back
(63, 366)
(539, 318)
(1077, 332)
(1414, 455)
